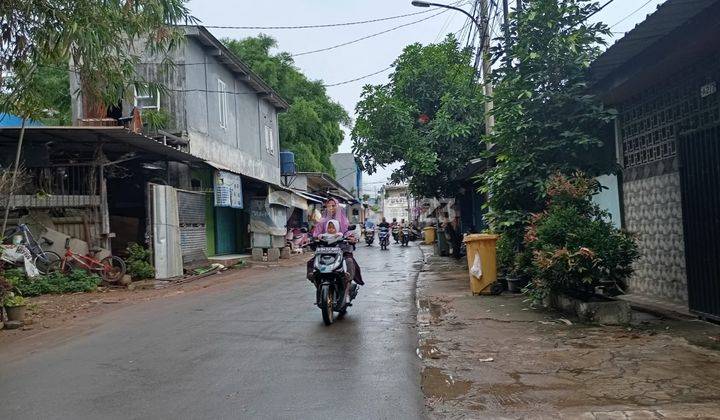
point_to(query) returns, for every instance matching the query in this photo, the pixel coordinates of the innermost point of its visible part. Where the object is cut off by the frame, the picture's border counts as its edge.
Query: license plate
(327, 250)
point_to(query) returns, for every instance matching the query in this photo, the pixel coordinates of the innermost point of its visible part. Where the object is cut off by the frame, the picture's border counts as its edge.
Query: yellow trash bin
(429, 235)
(482, 264)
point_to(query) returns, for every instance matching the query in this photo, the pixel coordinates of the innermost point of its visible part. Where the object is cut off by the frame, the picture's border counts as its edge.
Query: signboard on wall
(228, 190)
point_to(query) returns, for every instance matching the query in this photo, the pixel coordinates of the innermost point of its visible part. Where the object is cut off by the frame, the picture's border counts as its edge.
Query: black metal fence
(699, 152)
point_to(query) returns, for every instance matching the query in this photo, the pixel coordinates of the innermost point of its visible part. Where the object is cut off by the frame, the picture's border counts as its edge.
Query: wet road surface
(253, 349)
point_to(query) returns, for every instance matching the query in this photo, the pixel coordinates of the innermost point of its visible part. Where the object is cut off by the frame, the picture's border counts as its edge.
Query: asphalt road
(254, 349)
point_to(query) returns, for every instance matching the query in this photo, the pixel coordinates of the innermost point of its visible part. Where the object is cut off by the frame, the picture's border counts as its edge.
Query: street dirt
(497, 357)
(58, 315)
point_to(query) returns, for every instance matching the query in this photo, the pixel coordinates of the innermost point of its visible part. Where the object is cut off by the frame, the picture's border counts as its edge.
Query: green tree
(429, 118)
(311, 127)
(96, 36)
(546, 121)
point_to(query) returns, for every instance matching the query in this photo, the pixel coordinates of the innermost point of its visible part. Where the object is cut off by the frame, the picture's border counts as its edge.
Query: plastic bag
(476, 269)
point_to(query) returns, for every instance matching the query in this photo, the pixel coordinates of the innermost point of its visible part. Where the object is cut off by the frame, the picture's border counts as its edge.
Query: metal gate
(191, 213)
(699, 152)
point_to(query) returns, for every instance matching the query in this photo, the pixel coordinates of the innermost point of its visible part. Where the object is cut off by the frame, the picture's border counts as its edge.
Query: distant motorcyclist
(384, 224)
(395, 227)
(369, 224)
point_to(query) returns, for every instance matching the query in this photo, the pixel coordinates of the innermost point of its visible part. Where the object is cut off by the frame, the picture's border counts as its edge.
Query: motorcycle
(405, 236)
(396, 233)
(329, 276)
(369, 236)
(297, 239)
(384, 238)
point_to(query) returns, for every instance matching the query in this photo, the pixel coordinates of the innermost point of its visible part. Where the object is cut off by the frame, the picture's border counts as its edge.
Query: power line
(327, 25)
(367, 36)
(598, 10)
(359, 78)
(630, 14)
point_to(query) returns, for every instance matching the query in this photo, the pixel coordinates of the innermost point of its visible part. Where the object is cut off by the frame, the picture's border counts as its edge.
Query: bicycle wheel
(113, 269)
(59, 266)
(44, 261)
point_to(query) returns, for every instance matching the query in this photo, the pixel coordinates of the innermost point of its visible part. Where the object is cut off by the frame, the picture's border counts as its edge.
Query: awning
(308, 196)
(220, 166)
(286, 198)
(115, 140)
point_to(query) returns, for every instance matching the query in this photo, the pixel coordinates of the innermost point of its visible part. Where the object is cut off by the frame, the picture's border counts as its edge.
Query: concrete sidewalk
(496, 357)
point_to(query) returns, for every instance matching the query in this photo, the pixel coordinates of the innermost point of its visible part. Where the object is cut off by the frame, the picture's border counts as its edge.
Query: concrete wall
(653, 210)
(240, 145)
(647, 130)
(395, 204)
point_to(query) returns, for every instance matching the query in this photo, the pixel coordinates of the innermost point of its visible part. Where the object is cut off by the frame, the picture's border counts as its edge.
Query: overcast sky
(367, 56)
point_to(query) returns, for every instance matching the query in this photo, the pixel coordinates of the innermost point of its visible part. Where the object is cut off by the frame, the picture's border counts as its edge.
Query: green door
(225, 230)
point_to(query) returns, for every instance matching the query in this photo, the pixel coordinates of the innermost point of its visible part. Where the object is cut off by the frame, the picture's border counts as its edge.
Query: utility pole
(486, 65)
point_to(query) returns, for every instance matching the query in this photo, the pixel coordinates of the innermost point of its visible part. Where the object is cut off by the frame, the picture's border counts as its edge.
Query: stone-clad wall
(653, 210)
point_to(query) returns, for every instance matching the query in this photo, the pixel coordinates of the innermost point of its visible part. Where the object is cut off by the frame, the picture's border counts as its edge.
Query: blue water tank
(287, 163)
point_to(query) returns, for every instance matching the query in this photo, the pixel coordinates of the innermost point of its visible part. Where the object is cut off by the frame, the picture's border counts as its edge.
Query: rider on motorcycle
(334, 221)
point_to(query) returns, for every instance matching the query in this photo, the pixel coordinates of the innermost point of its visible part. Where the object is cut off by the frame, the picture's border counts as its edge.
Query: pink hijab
(339, 216)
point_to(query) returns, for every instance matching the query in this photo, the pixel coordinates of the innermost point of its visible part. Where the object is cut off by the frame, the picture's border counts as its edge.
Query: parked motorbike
(329, 276)
(369, 236)
(297, 239)
(384, 238)
(405, 236)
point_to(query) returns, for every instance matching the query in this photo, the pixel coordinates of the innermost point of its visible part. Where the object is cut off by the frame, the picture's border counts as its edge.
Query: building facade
(216, 109)
(663, 77)
(395, 202)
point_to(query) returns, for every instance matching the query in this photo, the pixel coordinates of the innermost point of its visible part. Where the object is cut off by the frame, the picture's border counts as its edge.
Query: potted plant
(15, 306)
(519, 273)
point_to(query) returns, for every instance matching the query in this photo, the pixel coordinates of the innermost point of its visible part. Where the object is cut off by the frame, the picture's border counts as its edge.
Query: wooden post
(104, 210)
(14, 175)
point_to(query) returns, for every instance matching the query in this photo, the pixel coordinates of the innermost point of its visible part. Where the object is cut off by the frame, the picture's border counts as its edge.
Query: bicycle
(111, 269)
(41, 258)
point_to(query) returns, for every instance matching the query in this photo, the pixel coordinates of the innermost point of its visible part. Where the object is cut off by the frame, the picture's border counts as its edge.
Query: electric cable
(630, 14)
(367, 36)
(358, 78)
(599, 9)
(327, 25)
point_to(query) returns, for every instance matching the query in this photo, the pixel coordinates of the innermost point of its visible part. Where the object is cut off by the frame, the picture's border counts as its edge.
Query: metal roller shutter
(191, 212)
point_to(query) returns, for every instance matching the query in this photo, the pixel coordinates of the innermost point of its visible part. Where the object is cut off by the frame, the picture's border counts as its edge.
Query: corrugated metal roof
(116, 139)
(669, 16)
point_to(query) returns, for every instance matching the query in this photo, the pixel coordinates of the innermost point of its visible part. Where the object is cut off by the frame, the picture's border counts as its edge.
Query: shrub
(574, 247)
(55, 283)
(12, 300)
(505, 252)
(138, 262)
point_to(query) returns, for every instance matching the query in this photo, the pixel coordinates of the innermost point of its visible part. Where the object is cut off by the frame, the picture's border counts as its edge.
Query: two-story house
(222, 113)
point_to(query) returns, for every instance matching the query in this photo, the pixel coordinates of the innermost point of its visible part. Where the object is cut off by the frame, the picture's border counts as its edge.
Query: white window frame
(137, 97)
(222, 103)
(269, 140)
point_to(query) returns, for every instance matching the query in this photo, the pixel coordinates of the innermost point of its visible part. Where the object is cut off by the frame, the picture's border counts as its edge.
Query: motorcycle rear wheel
(327, 298)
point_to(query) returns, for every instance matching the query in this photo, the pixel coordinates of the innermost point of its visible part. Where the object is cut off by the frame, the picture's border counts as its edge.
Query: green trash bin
(442, 246)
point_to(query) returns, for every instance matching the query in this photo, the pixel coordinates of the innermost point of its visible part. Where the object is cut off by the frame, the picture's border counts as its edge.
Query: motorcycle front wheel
(327, 298)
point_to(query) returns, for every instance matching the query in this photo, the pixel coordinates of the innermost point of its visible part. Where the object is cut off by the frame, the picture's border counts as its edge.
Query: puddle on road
(437, 384)
(427, 349)
(429, 312)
